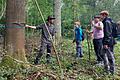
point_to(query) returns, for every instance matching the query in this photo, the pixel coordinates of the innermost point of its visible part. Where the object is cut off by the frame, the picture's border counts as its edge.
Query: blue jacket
(78, 34)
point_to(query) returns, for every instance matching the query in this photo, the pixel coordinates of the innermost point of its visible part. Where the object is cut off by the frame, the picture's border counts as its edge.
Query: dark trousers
(43, 47)
(112, 49)
(98, 46)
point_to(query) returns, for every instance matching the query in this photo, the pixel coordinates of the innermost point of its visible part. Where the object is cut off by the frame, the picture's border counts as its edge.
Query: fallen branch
(36, 75)
(22, 62)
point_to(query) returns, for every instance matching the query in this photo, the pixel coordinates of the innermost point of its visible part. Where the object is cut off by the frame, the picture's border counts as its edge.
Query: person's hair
(97, 16)
(118, 23)
(50, 18)
(77, 22)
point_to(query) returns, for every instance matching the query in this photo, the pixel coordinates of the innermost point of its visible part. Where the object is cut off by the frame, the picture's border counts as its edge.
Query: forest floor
(76, 69)
(72, 68)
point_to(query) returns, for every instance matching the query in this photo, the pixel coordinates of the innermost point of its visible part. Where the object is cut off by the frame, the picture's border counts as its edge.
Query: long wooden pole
(58, 60)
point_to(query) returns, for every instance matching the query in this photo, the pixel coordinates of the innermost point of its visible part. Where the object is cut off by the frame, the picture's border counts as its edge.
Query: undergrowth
(72, 68)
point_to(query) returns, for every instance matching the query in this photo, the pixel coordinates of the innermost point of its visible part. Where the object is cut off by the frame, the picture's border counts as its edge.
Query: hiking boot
(48, 61)
(112, 72)
(106, 72)
(106, 69)
(76, 58)
(81, 56)
(100, 63)
(48, 58)
(36, 62)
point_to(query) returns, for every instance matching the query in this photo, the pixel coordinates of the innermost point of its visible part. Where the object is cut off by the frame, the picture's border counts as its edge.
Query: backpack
(83, 36)
(114, 30)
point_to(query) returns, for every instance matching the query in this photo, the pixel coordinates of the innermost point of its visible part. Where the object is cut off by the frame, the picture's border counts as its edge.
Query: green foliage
(33, 16)
(45, 78)
(2, 6)
(85, 10)
(72, 10)
(78, 69)
(11, 73)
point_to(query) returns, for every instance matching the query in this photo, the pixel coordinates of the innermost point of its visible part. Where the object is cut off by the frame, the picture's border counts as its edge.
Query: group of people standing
(103, 40)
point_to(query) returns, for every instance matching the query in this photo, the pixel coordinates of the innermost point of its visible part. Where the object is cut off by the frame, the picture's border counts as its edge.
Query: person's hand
(26, 25)
(73, 41)
(92, 22)
(87, 31)
(34, 27)
(82, 44)
(105, 46)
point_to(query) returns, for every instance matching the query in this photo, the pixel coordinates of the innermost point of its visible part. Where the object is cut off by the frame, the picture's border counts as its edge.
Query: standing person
(108, 43)
(78, 39)
(45, 38)
(98, 34)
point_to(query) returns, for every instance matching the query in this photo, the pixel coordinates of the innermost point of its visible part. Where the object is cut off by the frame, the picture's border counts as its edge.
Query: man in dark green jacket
(108, 43)
(46, 43)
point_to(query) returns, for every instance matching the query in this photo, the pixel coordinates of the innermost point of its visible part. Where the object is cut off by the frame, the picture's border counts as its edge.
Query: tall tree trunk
(57, 14)
(14, 38)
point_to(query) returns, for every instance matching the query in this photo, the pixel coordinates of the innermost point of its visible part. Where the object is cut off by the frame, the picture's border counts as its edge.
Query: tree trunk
(15, 22)
(57, 14)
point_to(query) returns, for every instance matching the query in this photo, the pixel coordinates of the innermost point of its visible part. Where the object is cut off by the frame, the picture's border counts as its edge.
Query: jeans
(98, 46)
(79, 52)
(109, 60)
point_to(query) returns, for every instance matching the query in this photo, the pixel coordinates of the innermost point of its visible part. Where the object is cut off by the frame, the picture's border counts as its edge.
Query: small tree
(57, 13)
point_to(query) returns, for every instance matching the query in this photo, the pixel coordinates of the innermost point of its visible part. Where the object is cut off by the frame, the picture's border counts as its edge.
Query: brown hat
(104, 12)
(50, 18)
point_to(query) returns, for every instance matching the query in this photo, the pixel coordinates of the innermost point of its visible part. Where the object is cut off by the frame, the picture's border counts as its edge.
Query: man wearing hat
(98, 34)
(108, 43)
(45, 38)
